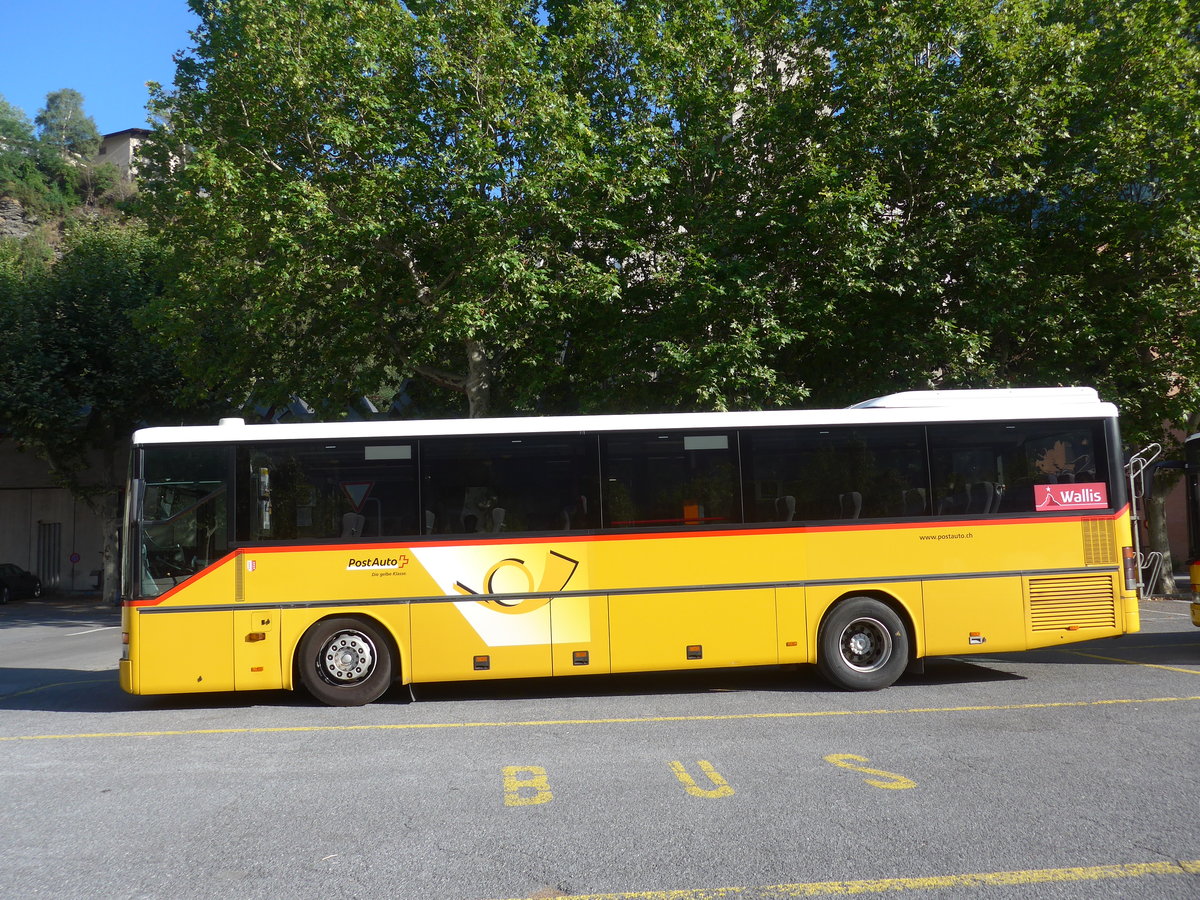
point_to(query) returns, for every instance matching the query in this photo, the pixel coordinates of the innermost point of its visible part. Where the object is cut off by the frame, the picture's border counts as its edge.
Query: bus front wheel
(345, 661)
(863, 645)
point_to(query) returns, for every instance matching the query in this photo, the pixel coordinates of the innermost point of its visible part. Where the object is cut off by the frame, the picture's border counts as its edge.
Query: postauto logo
(376, 563)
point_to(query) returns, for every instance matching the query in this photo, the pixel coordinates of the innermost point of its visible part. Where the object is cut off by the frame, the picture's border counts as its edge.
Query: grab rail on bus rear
(1135, 470)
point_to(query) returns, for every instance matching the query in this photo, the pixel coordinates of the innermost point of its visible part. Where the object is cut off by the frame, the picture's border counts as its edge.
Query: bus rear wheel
(345, 661)
(863, 645)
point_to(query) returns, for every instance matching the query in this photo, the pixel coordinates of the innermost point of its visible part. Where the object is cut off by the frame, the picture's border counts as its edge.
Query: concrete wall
(43, 529)
(120, 149)
(42, 526)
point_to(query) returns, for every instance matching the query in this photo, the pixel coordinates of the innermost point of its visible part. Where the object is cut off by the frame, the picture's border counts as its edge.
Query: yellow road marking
(720, 786)
(895, 782)
(929, 883)
(1134, 662)
(646, 720)
(531, 777)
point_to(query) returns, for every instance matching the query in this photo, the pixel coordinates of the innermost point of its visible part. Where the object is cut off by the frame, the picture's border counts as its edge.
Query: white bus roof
(907, 407)
(927, 399)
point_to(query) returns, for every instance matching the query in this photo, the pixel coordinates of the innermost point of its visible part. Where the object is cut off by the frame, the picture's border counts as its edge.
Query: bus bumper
(126, 672)
(1133, 615)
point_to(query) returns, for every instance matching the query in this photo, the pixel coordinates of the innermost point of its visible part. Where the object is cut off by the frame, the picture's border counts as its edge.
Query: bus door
(257, 577)
(256, 649)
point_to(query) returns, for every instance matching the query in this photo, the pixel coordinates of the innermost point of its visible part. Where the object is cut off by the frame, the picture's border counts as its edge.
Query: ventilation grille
(1098, 547)
(239, 578)
(1072, 601)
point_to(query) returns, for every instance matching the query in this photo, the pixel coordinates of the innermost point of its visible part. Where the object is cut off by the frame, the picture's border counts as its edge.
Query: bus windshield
(183, 514)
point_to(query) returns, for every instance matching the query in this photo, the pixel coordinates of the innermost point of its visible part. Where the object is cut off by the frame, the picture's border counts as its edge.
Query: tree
(694, 318)
(17, 166)
(608, 205)
(1035, 174)
(65, 128)
(55, 172)
(372, 191)
(76, 376)
(929, 194)
(1119, 245)
(16, 132)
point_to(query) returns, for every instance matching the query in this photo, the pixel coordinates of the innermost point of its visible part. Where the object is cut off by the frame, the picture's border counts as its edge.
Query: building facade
(43, 528)
(120, 149)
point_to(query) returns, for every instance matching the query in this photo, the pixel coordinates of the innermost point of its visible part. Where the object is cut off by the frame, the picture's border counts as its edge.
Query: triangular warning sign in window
(357, 491)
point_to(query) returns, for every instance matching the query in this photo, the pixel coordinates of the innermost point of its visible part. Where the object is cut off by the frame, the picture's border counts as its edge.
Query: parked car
(16, 582)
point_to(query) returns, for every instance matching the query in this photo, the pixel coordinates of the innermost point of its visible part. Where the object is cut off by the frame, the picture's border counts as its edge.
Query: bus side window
(820, 474)
(325, 491)
(670, 479)
(985, 469)
(486, 485)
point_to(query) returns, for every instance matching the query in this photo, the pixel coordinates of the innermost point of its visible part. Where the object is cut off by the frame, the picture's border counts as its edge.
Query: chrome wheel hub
(348, 657)
(866, 644)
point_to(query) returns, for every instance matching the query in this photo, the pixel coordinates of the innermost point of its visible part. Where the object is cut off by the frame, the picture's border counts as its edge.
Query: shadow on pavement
(1161, 649)
(59, 609)
(70, 690)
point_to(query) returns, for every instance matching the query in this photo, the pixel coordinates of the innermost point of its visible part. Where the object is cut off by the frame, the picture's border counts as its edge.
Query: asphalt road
(1072, 773)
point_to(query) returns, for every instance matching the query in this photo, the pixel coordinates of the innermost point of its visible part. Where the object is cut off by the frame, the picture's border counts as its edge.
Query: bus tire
(345, 661)
(863, 645)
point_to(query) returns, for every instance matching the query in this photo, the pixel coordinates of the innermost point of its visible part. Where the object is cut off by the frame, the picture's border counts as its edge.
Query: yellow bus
(344, 558)
(1192, 482)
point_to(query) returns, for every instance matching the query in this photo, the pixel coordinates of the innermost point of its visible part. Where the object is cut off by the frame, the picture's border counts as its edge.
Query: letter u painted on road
(720, 787)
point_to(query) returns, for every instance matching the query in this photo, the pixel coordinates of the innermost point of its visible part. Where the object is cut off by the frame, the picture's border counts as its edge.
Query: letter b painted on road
(526, 786)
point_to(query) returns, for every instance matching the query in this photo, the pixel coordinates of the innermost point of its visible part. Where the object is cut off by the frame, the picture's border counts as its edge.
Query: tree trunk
(110, 521)
(478, 385)
(1157, 538)
(1156, 530)
(109, 509)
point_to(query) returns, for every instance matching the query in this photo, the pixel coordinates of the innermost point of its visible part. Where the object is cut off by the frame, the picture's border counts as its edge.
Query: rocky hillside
(15, 220)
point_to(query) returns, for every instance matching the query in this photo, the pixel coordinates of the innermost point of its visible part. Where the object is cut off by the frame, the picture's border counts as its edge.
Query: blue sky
(106, 51)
